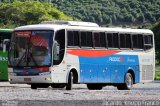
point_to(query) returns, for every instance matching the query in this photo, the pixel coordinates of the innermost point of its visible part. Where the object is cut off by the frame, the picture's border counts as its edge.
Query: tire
(70, 81)
(121, 86)
(128, 85)
(33, 86)
(43, 85)
(94, 86)
(58, 85)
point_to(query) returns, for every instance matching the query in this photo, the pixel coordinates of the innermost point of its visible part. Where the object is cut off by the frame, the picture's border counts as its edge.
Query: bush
(157, 75)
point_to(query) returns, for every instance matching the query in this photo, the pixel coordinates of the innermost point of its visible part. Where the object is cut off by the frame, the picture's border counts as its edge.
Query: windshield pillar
(59, 47)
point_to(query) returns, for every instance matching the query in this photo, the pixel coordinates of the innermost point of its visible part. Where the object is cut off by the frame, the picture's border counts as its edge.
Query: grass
(157, 75)
(157, 67)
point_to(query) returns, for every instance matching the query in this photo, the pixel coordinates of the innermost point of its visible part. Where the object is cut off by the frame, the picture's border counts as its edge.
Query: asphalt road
(147, 94)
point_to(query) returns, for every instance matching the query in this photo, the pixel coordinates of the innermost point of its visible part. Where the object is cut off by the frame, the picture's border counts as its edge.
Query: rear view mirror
(5, 44)
(57, 49)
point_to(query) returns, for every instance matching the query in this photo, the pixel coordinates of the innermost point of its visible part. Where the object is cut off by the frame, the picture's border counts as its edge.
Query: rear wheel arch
(133, 74)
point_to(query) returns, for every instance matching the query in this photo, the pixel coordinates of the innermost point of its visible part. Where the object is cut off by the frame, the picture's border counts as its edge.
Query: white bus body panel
(60, 72)
(146, 63)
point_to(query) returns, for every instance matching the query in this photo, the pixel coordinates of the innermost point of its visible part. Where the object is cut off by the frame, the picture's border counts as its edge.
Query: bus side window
(99, 39)
(5, 40)
(148, 43)
(125, 41)
(112, 40)
(86, 39)
(137, 41)
(1, 42)
(73, 38)
(1, 46)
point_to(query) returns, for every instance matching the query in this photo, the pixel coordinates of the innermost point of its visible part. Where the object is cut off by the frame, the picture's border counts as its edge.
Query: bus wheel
(94, 86)
(43, 85)
(33, 86)
(58, 85)
(70, 81)
(128, 83)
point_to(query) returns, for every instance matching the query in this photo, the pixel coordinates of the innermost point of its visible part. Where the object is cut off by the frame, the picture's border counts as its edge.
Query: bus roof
(71, 23)
(6, 30)
(58, 27)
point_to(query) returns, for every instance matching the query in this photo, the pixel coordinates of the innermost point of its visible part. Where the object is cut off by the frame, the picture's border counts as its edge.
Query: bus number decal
(116, 59)
(3, 59)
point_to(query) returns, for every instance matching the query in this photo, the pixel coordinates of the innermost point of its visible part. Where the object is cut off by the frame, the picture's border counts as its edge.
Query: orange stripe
(92, 53)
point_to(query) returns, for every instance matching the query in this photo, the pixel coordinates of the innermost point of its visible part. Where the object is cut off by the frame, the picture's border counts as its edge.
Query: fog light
(49, 78)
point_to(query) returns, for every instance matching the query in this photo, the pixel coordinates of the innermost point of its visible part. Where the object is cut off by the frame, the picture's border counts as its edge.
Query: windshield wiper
(23, 57)
(26, 58)
(33, 59)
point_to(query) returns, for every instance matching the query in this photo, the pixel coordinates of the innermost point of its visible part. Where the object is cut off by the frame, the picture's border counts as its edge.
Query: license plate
(27, 79)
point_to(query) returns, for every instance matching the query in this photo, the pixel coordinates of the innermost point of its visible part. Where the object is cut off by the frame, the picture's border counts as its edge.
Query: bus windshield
(31, 48)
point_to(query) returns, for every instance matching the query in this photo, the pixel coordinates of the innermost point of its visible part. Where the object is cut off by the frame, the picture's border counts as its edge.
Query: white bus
(59, 54)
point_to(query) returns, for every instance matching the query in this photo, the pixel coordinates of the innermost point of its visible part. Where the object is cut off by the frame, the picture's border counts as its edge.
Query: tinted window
(4, 35)
(112, 40)
(86, 39)
(73, 38)
(60, 39)
(148, 42)
(99, 39)
(125, 41)
(137, 41)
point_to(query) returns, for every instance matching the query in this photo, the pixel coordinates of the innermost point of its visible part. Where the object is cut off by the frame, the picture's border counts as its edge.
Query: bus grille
(147, 72)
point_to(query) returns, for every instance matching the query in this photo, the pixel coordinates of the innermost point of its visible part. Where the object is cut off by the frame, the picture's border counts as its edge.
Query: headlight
(44, 73)
(12, 74)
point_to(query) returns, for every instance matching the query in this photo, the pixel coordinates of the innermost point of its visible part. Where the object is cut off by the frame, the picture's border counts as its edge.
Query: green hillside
(156, 31)
(108, 12)
(23, 13)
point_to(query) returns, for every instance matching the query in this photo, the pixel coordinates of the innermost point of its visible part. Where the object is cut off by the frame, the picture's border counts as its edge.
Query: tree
(18, 13)
(155, 28)
(141, 18)
(132, 10)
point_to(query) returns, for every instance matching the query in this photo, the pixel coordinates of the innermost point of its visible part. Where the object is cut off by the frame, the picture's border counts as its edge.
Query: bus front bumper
(30, 79)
